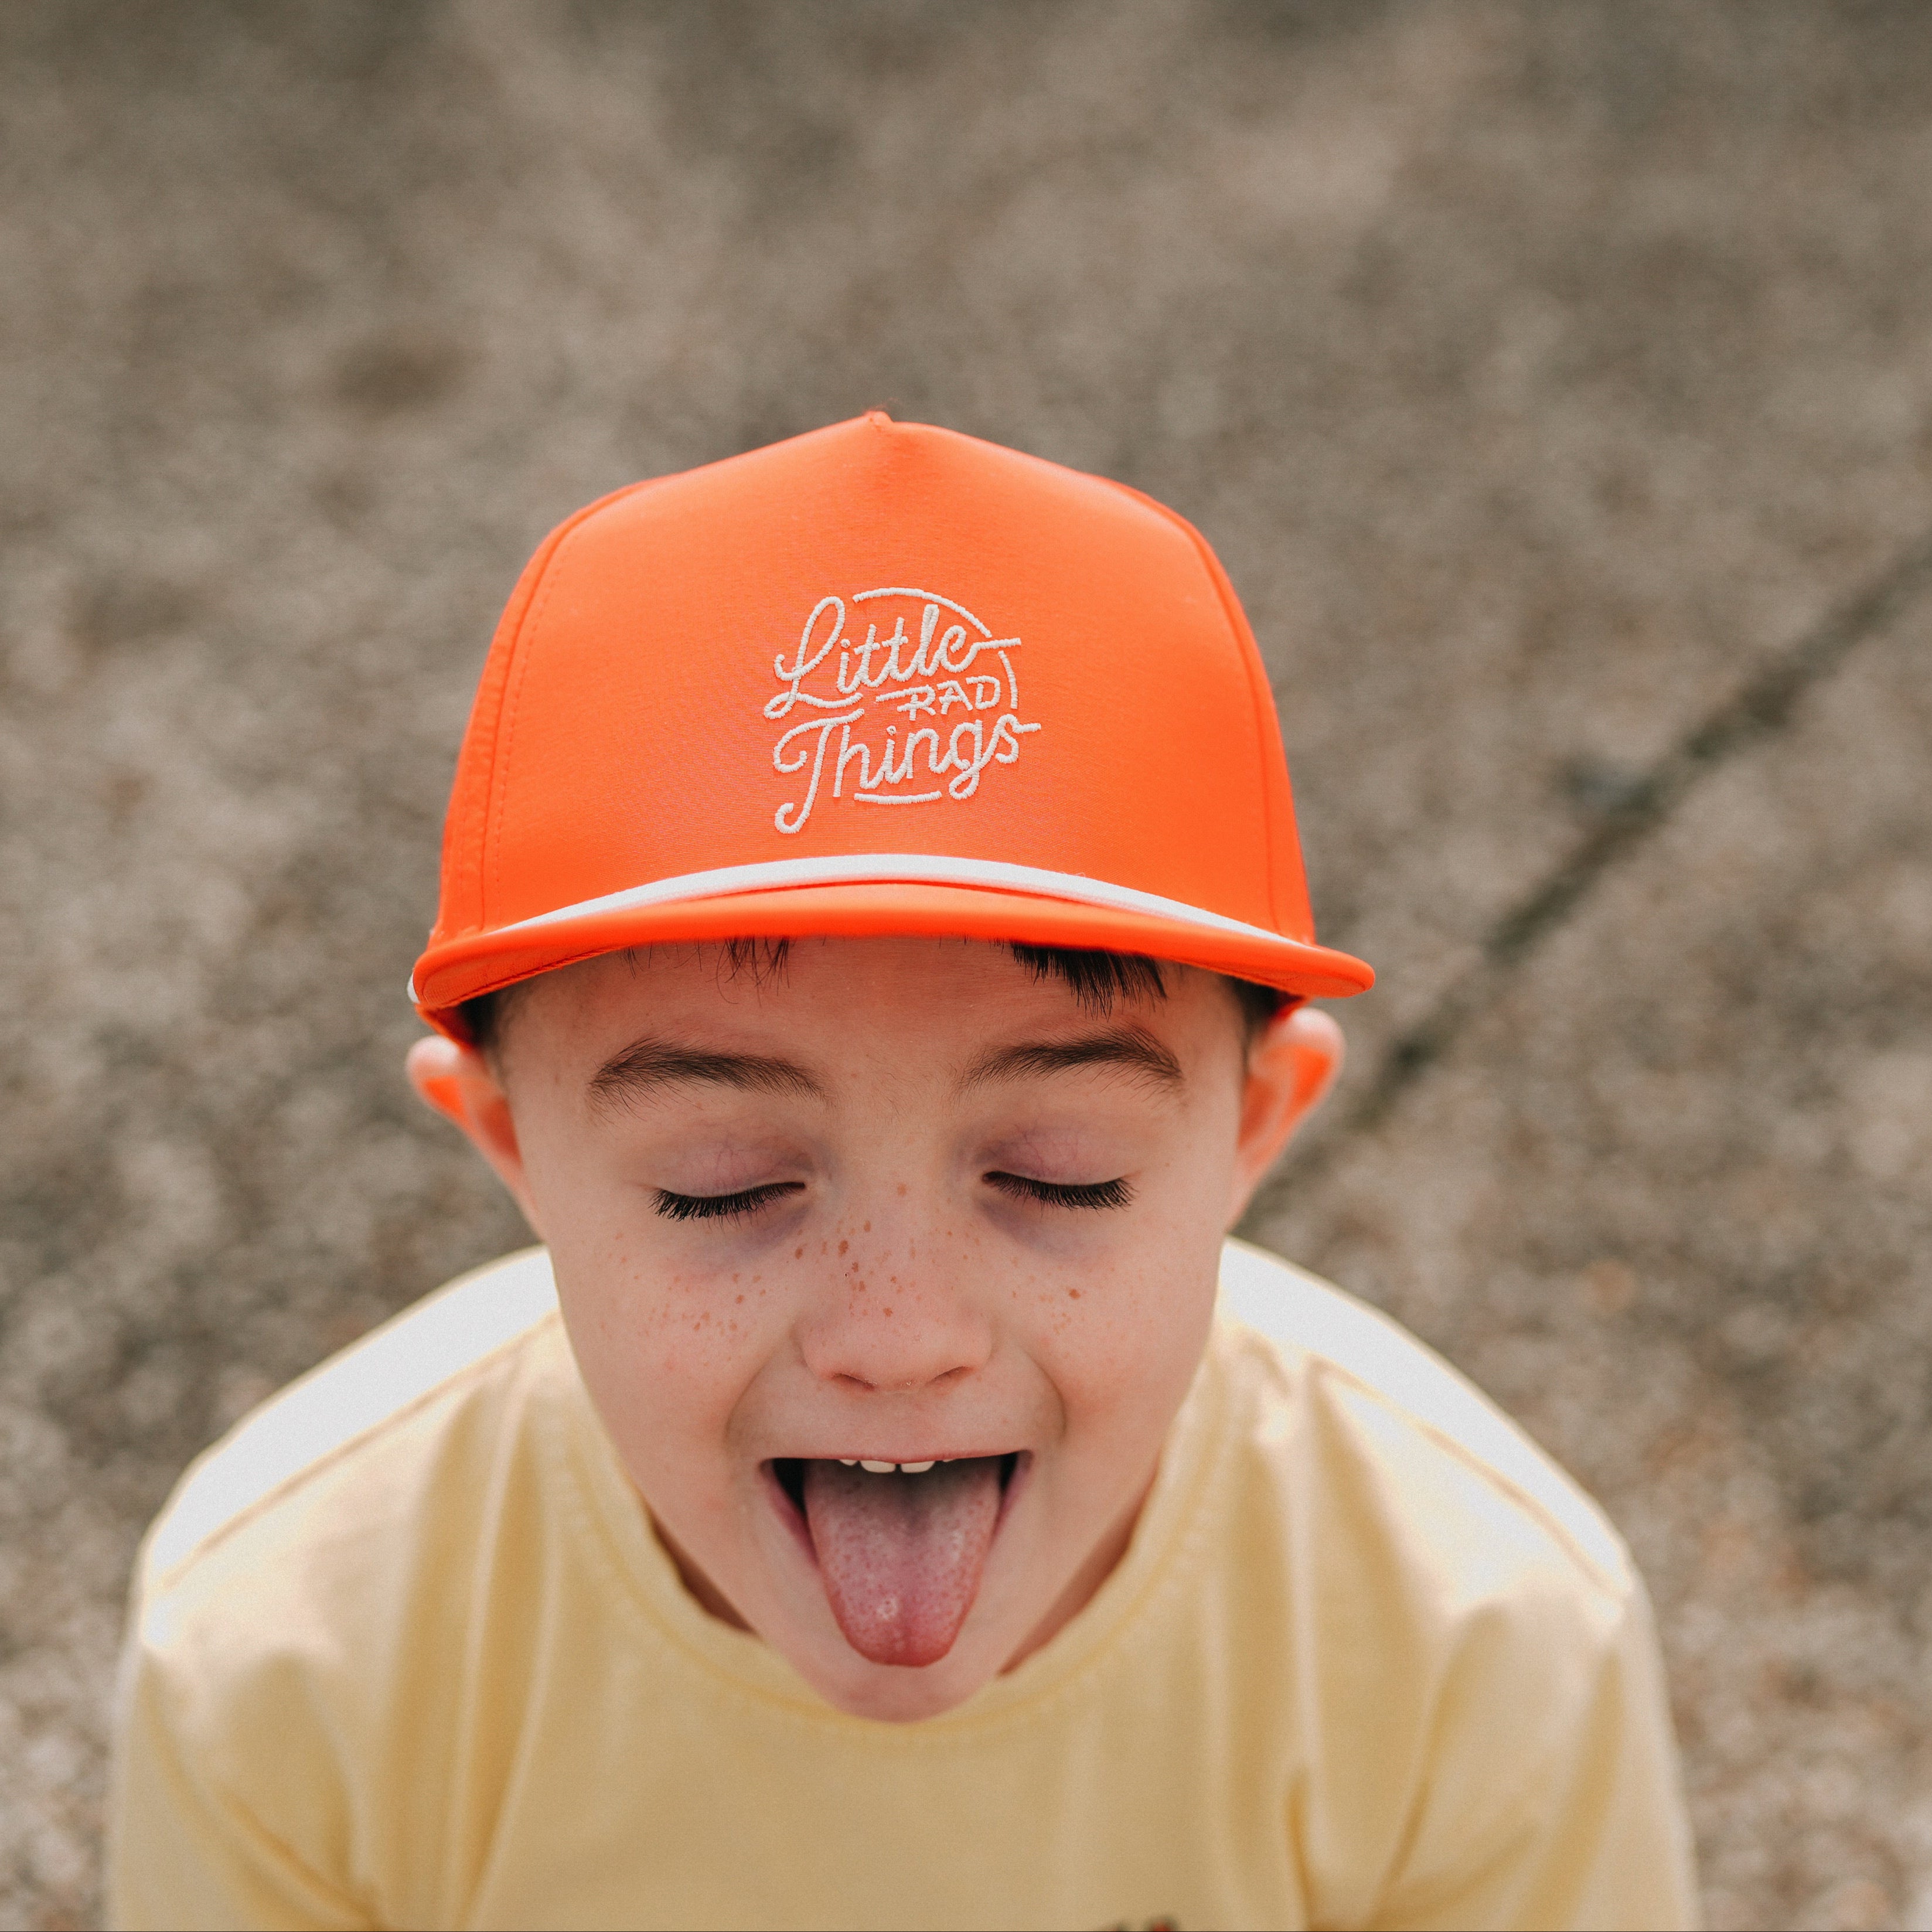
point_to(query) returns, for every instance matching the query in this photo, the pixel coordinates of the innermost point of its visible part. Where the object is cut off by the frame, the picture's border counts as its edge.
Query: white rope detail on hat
(910, 869)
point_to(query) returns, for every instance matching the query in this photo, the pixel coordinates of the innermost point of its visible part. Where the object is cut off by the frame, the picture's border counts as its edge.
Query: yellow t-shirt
(406, 1652)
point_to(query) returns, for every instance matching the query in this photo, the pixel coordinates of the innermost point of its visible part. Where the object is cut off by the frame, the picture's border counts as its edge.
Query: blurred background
(1555, 380)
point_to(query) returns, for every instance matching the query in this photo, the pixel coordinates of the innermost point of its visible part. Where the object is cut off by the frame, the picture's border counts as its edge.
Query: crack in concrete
(1761, 707)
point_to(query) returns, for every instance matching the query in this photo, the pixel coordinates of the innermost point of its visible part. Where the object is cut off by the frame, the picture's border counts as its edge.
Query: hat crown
(877, 642)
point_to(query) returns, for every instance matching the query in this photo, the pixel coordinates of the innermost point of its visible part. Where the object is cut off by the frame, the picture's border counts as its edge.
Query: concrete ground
(1556, 382)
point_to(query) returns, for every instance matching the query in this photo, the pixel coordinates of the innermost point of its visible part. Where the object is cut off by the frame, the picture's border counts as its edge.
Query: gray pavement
(1548, 375)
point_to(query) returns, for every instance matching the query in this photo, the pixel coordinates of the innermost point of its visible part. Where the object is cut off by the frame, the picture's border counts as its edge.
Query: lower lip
(793, 1517)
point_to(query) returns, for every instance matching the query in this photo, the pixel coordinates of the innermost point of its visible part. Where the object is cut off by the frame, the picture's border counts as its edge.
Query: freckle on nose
(843, 1245)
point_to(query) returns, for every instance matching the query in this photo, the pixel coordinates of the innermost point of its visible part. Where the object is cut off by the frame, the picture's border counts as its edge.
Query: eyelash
(1116, 1193)
(716, 1207)
(1064, 1194)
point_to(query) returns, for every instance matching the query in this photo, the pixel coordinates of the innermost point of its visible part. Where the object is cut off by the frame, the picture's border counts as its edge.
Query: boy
(873, 951)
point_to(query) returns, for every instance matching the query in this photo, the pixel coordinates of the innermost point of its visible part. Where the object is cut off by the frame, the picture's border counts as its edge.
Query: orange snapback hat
(881, 679)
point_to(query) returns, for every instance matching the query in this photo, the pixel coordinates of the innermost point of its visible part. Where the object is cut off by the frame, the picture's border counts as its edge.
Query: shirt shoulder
(353, 1409)
(302, 1676)
(1472, 1666)
(1401, 1405)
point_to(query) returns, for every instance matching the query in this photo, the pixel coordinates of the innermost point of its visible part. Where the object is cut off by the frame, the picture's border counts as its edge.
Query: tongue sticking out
(902, 1555)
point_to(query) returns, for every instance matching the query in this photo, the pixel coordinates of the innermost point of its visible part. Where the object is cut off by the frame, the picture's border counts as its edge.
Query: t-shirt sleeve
(1551, 1799)
(185, 1850)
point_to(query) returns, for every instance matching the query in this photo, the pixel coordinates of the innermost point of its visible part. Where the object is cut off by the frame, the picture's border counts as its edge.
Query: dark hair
(1095, 978)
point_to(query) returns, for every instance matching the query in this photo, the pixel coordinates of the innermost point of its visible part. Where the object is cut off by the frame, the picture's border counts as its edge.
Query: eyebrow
(1132, 1048)
(646, 1066)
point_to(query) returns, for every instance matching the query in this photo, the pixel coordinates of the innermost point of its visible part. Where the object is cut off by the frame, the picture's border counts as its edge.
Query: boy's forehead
(789, 1027)
(956, 1007)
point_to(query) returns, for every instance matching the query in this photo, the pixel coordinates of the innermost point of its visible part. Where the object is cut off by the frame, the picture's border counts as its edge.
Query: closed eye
(712, 1207)
(1115, 1193)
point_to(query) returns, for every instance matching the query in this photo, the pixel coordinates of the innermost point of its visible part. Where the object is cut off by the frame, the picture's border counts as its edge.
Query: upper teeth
(886, 1468)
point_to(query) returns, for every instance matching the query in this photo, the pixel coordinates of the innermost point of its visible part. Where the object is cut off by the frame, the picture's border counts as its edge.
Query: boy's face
(898, 1201)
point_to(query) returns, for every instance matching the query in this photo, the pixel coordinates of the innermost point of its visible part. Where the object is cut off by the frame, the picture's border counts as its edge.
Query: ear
(1291, 1067)
(459, 1083)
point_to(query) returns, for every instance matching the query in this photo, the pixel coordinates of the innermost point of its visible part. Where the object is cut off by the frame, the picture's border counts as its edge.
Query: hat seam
(465, 835)
(1249, 652)
(1241, 635)
(523, 647)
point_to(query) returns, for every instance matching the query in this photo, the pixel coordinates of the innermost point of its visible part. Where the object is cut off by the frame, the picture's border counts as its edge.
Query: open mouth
(901, 1547)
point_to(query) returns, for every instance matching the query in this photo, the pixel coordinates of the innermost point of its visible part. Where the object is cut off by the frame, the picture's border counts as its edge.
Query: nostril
(864, 1357)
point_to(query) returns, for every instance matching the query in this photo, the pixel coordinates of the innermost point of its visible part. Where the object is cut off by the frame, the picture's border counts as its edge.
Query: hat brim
(465, 968)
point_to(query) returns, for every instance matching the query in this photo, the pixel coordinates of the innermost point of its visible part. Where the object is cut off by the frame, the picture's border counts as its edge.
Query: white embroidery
(942, 659)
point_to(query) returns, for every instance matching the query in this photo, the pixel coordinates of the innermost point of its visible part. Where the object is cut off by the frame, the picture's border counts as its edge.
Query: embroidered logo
(894, 720)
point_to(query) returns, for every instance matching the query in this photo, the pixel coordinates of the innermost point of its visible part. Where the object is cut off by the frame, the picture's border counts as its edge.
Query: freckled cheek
(674, 1344)
(1106, 1332)
(707, 1326)
(1110, 1338)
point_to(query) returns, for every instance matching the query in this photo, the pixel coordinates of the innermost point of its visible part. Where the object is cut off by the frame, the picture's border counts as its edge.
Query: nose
(893, 1323)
